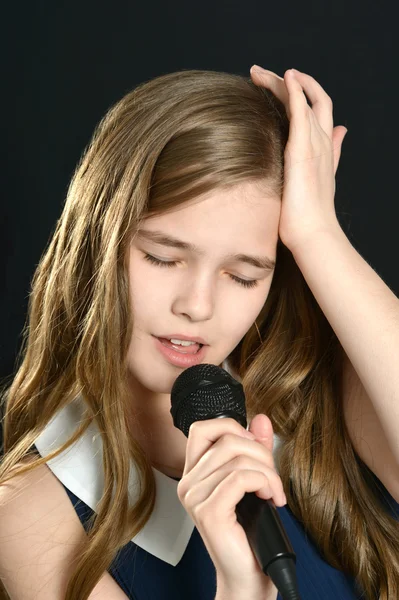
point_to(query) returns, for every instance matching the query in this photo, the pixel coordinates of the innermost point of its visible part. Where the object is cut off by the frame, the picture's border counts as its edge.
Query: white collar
(168, 530)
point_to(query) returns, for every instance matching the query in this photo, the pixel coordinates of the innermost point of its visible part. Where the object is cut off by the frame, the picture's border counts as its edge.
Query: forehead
(245, 211)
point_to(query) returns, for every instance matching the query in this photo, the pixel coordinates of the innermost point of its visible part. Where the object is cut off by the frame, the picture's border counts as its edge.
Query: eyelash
(163, 263)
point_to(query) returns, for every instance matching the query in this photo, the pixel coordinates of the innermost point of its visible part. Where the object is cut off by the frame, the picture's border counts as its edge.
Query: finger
(274, 83)
(232, 447)
(262, 428)
(321, 103)
(203, 434)
(270, 487)
(230, 491)
(221, 505)
(227, 448)
(273, 488)
(300, 121)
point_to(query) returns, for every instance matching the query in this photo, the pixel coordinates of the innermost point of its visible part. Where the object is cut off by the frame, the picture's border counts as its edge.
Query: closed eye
(164, 263)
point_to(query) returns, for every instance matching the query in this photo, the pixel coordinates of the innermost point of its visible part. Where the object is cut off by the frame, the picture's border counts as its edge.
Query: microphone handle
(269, 542)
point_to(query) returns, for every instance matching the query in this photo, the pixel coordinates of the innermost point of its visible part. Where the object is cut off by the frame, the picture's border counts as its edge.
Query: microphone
(205, 392)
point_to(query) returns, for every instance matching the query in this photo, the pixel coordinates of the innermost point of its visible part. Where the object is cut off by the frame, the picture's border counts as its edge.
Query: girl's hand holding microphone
(223, 462)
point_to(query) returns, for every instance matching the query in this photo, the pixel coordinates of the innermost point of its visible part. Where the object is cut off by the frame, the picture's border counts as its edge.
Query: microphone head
(205, 392)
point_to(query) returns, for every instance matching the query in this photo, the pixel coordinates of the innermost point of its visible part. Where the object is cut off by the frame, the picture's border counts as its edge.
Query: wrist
(269, 592)
(307, 242)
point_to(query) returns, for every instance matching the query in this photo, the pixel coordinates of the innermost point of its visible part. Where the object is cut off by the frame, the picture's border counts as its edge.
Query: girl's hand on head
(311, 156)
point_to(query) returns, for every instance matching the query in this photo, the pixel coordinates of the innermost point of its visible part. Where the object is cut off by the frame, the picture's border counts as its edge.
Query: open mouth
(191, 349)
(181, 356)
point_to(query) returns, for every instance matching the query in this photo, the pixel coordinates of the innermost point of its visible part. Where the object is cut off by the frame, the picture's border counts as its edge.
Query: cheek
(144, 290)
(147, 301)
(241, 318)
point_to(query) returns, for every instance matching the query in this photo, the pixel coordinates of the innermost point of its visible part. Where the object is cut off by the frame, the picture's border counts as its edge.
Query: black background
(66, 63)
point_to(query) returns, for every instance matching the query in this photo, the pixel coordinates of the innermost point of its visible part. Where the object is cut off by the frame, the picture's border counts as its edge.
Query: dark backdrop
(66, 63)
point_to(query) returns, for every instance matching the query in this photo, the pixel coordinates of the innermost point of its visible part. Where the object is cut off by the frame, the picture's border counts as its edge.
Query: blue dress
(143, 576)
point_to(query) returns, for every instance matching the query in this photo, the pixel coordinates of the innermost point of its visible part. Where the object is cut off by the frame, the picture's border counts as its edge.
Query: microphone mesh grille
(203, 392)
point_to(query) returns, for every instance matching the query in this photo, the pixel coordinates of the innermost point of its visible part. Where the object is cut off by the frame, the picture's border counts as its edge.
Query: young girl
(203, 211)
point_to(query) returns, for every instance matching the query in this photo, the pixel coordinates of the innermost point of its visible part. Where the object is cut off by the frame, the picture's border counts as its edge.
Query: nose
(196, 299)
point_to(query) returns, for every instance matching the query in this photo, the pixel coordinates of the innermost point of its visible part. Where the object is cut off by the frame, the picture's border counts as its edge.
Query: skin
(195, 297)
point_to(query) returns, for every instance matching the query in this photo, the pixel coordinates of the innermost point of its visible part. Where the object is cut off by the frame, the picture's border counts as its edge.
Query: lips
(180, 358)
(181, 336)
(192, 349)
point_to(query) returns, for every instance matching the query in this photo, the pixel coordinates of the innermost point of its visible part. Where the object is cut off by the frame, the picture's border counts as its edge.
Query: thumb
(262, 428)
(339, 134)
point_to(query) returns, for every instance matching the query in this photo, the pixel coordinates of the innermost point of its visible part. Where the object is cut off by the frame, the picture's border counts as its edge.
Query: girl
(203, 212)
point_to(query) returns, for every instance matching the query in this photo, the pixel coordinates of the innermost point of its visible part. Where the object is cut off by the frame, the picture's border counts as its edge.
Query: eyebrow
(159, 237)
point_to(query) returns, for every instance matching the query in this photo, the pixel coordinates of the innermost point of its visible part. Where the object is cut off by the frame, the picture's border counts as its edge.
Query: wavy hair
(166, 142)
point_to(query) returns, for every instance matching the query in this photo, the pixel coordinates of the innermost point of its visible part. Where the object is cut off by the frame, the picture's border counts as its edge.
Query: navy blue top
(143, 576)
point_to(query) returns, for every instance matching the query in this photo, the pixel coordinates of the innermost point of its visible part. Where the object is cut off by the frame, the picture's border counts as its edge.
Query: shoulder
(41, 538)
(37, 523)
(32, 496)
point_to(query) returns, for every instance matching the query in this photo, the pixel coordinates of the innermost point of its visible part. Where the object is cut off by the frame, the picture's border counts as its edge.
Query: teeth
(182, 342)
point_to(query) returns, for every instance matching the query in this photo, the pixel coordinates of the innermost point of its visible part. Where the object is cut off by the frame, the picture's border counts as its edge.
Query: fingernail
(249, 435)
(258, 69)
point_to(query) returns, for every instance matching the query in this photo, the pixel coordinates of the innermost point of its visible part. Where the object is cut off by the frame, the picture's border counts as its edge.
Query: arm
(364, 314)
(41, 535)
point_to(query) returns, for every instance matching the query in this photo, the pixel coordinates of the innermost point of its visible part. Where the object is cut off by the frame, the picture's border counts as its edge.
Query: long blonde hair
(164, 143)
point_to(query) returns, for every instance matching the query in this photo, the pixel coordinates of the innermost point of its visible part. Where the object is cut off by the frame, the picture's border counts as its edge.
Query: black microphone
(205, 392)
